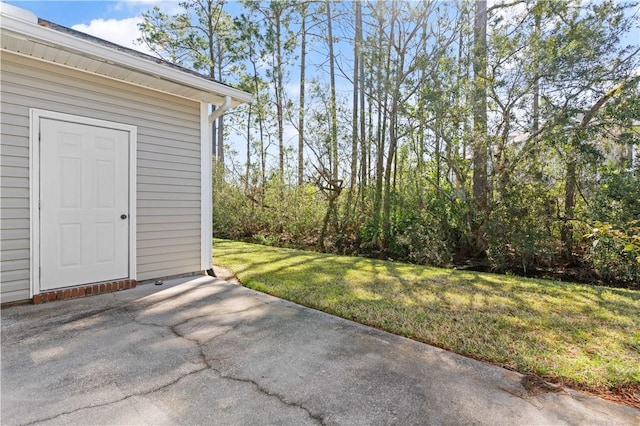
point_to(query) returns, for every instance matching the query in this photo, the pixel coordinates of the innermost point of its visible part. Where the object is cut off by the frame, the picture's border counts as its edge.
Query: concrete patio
(202, 350)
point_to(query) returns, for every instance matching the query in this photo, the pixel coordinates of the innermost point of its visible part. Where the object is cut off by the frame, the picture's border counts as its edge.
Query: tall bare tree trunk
(536, 80)
(303, 57)
(247, 173)
(354, 117)
(365, 151)
(262, 153)
(458, 126)
(384, 64)
(332, 105)
(279, 89)
(566, 232)
(480, 142)
(393, 126)
(221, 118)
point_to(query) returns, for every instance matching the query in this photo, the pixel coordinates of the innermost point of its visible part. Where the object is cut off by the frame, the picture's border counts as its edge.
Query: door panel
(84, 189)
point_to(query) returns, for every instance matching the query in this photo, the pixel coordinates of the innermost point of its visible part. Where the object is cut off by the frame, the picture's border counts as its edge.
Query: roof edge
(21, 22)
(18, 13)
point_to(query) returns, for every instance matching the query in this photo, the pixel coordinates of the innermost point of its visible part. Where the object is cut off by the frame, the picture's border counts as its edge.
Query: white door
(84, 204)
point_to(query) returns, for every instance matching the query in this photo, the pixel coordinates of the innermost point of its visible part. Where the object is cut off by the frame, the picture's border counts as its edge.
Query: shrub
(519, 231)
(615, 253)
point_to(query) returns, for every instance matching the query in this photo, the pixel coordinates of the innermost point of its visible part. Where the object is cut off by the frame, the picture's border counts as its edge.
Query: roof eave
(50, 37)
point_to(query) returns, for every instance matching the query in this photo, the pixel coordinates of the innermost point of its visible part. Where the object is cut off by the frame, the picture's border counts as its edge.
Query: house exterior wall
(168, 164)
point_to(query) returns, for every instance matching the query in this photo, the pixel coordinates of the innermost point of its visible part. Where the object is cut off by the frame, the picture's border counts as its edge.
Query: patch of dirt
(534, 385)
(226, 274)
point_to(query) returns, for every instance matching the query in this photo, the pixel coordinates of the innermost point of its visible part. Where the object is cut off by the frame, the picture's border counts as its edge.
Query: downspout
(212, 117)
(221, 109)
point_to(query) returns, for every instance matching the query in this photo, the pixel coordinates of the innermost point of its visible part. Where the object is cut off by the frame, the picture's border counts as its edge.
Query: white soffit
(21, 35)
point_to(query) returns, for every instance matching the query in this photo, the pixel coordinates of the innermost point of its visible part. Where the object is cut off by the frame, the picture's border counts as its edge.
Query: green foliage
(519, 230)
(422, 242)
(614, 250)
(617, 196)
(422, 226)
(615, 253)
(272, 216)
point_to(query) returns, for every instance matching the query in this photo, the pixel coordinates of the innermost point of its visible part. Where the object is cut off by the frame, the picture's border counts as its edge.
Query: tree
(357, 116)
(304, 10)
(587, 67)
(480, 136)
(196, 38)
(474, 132)
(332, 103)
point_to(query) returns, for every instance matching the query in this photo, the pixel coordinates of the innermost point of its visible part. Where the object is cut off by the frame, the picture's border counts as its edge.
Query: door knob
(123, 216)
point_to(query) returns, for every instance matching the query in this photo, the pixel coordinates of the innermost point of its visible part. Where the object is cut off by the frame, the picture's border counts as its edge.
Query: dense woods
(497, 135)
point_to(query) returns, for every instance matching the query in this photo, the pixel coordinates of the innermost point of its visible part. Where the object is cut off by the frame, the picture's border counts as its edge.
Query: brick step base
(83, 291)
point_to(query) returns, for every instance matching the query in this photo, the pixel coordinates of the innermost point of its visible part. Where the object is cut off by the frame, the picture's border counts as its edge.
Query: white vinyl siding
(168, 163)
(14, 196)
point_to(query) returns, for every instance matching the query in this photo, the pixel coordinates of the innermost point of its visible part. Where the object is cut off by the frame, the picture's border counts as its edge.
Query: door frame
(34, 185)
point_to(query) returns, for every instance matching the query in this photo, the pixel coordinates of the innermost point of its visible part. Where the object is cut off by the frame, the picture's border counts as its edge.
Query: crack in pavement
(318, 418)
(105, 404)
(130, 309)
(131, 312)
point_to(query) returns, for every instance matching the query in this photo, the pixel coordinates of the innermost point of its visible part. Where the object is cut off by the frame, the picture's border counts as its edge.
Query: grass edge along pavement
(586, 337)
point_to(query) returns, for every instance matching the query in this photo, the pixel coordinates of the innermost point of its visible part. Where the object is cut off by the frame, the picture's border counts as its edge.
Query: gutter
(221, 109)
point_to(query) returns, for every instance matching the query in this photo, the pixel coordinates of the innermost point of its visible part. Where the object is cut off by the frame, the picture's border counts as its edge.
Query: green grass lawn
(583, 336)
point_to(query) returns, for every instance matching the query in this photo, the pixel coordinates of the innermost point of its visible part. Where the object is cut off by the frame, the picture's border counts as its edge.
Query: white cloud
(119, 31)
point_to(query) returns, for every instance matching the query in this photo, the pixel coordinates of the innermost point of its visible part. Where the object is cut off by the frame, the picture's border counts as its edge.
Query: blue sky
(115, 21)
(69, 13)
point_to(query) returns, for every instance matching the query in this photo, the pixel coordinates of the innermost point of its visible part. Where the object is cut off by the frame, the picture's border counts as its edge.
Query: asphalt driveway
(205, 351)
